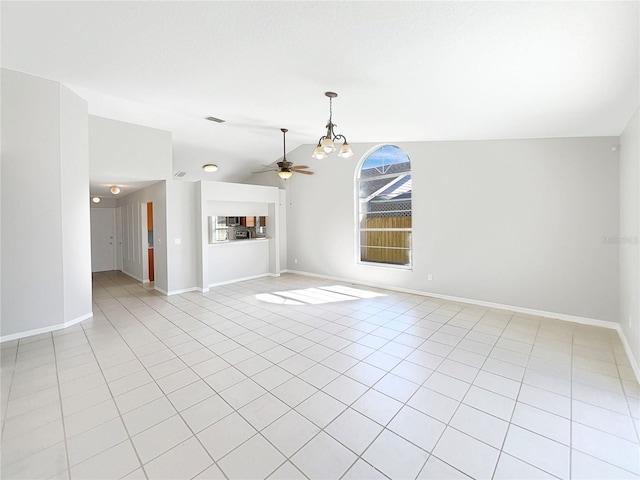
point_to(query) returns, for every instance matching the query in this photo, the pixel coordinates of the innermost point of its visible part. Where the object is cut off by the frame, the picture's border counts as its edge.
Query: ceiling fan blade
(306, 172)
(297, 167)
(265, 171)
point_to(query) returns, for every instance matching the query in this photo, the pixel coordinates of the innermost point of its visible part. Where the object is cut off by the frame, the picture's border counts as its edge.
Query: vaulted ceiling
(404, 71)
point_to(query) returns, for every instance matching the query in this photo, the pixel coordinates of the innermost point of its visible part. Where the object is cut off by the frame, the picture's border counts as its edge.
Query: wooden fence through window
(387, 246)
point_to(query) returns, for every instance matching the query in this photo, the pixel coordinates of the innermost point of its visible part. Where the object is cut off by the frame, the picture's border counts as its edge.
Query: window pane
(384, 213)
(386, 159)
(222, 234)
(385, 238)
(385, 255)
(387, 188)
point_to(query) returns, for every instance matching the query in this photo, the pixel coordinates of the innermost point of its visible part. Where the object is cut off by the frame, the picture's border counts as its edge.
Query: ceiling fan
(286, 168)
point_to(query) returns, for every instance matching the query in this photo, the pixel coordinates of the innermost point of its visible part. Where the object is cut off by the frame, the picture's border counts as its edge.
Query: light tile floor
(390, 385)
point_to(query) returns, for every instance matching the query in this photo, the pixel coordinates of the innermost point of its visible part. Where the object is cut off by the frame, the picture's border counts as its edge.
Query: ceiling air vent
(214, 119)
(179, 174)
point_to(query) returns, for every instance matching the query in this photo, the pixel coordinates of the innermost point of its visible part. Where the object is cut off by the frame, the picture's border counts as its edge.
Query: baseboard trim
(627, 348)
(236, 280)
(51, 328)
(178, 292)
(594, 322)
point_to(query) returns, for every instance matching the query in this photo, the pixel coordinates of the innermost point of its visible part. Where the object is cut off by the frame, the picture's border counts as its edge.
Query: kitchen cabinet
(152, 274)
(248, 221)
(150, 216)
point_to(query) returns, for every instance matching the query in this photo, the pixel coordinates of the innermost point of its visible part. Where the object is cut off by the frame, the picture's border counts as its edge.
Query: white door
(103, 239)
(119, 238)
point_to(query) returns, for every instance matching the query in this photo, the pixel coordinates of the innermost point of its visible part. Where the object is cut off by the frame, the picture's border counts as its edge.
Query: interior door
(119, 239)
(103, 233)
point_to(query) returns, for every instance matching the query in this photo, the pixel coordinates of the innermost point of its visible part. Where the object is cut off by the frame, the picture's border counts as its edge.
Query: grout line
(151, 310)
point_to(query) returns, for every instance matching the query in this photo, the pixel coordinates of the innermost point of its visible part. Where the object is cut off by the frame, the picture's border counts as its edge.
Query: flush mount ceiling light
(115, 190)
(95, 199)
(210, 168)
(326, 142)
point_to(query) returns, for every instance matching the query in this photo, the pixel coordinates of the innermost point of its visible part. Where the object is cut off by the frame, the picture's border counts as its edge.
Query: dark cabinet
(248, 221)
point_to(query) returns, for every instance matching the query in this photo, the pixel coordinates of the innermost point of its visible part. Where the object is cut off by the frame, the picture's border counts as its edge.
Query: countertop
(243, 240)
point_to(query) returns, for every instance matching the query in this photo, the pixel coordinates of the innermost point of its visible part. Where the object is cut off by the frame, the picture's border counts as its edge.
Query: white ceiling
(404, 71)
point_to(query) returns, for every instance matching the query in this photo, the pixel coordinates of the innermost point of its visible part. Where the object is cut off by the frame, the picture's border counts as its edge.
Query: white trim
(51, 328)
(409, 267)
(530, 311)
(177, 292)
(627, 349)
(236, 280)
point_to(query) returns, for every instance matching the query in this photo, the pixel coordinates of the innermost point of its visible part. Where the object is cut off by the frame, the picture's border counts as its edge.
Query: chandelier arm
(330, 133)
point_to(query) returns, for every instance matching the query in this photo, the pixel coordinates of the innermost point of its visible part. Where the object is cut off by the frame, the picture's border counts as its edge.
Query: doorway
(103, 232)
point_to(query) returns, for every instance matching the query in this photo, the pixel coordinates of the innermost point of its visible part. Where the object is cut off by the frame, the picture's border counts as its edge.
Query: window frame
(358, 230)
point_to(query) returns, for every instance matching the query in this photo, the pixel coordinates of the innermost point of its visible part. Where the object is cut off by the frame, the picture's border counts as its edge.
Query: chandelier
(326, 143)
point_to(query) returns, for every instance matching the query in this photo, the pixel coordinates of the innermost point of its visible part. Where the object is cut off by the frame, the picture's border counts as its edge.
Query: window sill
(385, 265)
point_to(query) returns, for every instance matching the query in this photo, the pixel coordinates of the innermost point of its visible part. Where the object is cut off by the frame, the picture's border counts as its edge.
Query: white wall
(128, 151)
(182, 231)
(218, 208)
(45, 208)
(282, 207)
(233, 261)
(134, 234)
(74, 188)
(629, 235)
(219, 198)
(514, 222)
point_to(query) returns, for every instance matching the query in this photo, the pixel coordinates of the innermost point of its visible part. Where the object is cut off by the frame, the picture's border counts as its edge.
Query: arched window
(384, 207)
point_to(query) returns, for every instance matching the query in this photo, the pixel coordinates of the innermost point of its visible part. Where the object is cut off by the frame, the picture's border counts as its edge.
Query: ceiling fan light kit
(286, 168)
(326, 144)
(284, 165)
(285, 173)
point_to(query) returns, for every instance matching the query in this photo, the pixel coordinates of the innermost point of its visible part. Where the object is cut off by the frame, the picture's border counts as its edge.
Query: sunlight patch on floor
(317, 295)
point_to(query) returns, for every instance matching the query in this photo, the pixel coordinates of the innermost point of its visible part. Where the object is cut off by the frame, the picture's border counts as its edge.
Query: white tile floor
(229, 385)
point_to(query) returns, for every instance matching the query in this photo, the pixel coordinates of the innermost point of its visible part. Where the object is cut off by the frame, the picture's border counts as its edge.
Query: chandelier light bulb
(319, 154)
(345, 151)
(327, 145)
